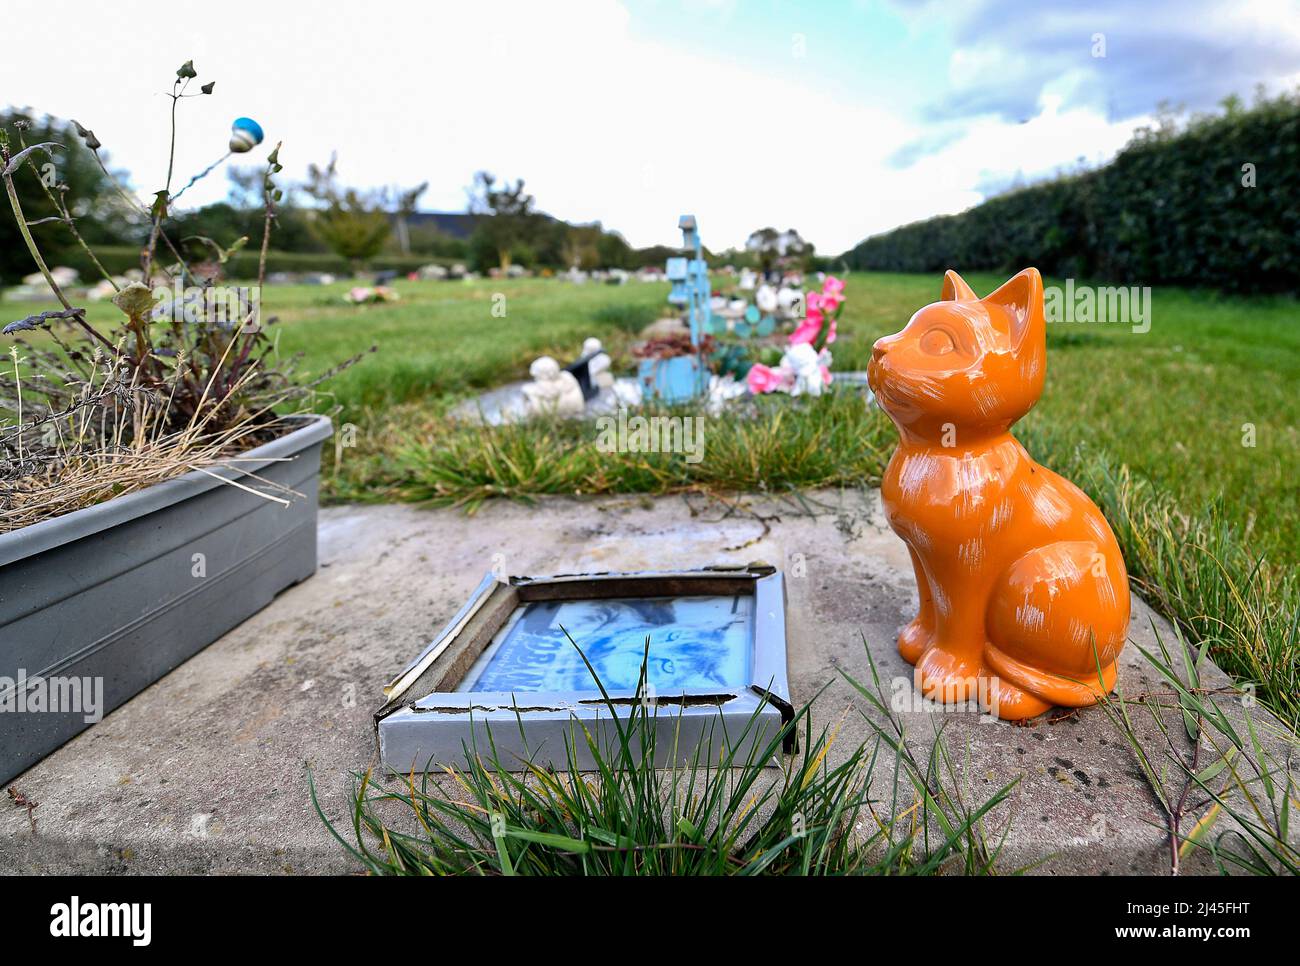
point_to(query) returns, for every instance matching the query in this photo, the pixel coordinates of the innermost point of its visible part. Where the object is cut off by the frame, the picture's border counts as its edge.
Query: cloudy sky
(840, 119)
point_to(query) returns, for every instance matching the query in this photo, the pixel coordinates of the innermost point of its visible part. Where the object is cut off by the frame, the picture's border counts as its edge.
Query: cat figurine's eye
(938, 342)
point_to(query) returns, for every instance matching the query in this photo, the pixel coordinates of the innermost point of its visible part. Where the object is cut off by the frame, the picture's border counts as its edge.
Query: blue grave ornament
(751, 314)
(676, 273)
(680, 378)
(245, 134)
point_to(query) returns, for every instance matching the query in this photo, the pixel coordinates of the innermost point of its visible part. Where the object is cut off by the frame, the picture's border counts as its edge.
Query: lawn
(1170, 403)
(444, 338)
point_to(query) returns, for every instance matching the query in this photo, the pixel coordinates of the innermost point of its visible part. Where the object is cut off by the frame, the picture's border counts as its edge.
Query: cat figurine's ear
(956, 289)
(1022, 299)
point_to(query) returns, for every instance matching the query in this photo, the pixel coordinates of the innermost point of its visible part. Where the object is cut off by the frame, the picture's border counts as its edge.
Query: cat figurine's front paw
(914, 639)
(950, 676)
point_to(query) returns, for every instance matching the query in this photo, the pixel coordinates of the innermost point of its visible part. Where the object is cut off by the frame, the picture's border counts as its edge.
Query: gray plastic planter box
(98, 604)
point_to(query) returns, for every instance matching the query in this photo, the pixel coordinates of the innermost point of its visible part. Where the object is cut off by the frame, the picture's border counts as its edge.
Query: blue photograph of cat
(696, 643)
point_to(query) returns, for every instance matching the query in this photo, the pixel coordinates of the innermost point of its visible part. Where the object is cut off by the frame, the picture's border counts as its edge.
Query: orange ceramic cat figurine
(1024, 596)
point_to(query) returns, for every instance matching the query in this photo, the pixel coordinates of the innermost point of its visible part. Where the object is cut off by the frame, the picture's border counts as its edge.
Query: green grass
(443, 338)
(1229, 792)
(770, 444)
(1198, 570)
(1169, 403)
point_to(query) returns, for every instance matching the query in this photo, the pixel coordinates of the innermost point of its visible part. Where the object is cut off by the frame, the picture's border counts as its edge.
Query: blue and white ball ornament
(245, 134)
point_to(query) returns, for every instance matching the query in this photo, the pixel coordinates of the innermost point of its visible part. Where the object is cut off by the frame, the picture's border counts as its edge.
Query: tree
(582, 247)
(506, 217)
(352, 223)
(72, 173)
(293, 230)
(777, 248)
(613, 250)
(407, 201)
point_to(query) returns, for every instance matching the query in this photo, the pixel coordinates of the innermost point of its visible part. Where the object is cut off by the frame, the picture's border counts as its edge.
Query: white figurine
(765, 299)
(806, 364)
(553, 390)
(791, 302)
(598, 365)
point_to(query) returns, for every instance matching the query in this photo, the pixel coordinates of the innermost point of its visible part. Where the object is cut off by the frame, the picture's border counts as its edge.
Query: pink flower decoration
(762, 379)
(830, 333)
(808, 329)
(833, 286)
(815, 303)
(826, 374)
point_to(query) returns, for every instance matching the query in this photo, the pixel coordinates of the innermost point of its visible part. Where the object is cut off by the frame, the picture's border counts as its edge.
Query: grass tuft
(1196, 570)
(726, 816)
(773, 445)
(1229, 793)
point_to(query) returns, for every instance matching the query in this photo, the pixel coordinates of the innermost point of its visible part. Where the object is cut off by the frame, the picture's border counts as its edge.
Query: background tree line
(323, 224)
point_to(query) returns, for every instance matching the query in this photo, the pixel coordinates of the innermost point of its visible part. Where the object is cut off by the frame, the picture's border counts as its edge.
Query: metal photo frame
(426, 723)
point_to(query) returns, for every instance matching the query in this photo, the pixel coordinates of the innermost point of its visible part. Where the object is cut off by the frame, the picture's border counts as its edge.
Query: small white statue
(791, 302)
(598, 364)
(766, 300)
(553, 390)
(748, 279)
(806, 363)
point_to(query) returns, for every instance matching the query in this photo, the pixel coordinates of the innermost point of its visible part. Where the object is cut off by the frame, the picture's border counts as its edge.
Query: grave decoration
(371, 295)
(245, 134)
(676, 367)
(1023, 591)
(675, 371)
(805, 366)
(703, 650)
(598, 364)
(553, 391)
(592, 369)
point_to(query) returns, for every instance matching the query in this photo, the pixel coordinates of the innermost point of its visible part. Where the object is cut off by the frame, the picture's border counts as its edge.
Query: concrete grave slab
(205, 771)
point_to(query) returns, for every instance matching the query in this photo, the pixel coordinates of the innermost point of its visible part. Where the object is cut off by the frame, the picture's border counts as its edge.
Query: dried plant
(186, 380)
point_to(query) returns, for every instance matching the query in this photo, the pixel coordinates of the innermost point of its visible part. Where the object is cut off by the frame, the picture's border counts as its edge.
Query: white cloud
(603, 124)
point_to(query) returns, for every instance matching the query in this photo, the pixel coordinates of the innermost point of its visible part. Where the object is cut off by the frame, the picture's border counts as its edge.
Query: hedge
(1170, 208)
